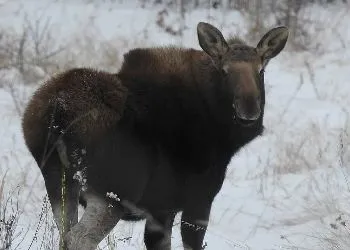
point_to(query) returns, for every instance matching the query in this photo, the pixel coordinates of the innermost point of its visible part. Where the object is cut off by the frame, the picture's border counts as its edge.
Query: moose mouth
(245, 122)
(242, 121)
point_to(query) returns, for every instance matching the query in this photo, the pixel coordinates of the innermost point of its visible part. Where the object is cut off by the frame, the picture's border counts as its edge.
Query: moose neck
(214, 91)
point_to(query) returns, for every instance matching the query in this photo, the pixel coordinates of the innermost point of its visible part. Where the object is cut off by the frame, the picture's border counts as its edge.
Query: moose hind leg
(158, 231)
(98, 220)
(63, 198)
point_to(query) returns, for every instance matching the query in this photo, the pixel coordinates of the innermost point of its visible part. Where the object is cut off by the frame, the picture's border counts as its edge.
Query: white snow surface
(282, 191)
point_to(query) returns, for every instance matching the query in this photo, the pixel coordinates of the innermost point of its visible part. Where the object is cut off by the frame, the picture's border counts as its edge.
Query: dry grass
(305, 21)
(9, 216)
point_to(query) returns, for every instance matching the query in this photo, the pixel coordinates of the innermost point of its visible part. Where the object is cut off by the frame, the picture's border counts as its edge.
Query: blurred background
(288, 189)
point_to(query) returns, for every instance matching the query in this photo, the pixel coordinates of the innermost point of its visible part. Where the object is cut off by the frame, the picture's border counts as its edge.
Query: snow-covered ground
(285, 190)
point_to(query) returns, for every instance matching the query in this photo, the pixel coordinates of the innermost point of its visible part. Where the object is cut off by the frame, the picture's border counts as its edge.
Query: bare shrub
(337, 234)
(31, 51)
(36, 53)
(86, 51)
(303, 18)
(9, 216)
(161, 22)
(46, 232)
(13, 235)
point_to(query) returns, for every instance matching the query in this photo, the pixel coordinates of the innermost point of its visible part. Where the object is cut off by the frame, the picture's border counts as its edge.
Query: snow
(112, 196)
(282, 191)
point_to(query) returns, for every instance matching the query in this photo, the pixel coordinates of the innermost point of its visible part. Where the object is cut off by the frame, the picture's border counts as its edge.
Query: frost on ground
(289, 189)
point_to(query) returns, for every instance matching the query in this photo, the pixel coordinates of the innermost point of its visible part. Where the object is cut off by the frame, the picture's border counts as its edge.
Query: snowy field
(286, 190)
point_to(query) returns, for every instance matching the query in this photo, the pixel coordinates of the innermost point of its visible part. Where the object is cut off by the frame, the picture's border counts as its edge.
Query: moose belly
(165, 186)
(164, 191)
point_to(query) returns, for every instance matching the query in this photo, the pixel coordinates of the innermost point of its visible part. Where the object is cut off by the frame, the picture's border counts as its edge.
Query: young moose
(150, 141)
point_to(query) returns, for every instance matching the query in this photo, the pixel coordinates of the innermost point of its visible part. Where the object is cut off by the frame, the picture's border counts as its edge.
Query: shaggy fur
(176, 99)
(159, 134)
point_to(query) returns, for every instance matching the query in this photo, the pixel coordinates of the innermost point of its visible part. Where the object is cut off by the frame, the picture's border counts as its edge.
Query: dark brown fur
(174, 103)
(169, 104)
(80, 97)
(159, 133)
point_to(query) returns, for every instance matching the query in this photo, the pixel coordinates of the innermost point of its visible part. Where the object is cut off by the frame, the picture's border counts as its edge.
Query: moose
(150, 141)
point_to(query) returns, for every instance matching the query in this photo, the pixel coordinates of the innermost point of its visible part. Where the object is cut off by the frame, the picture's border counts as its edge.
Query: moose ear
(211, 40)
(272, 43)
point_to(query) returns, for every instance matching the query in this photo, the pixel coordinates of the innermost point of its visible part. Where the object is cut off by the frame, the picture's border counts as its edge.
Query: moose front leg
(194, 222)
(158, 231)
